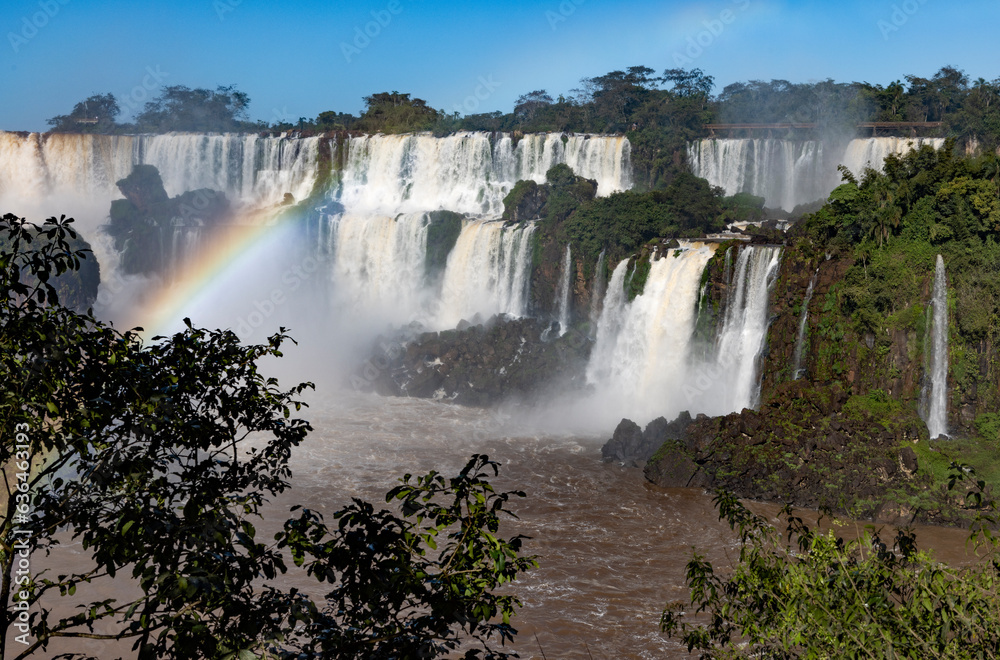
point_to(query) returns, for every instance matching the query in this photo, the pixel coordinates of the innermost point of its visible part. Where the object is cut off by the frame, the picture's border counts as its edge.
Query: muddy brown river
(611, 548)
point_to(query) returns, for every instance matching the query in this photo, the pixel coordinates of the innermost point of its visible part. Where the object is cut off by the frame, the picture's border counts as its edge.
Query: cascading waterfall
(379, 263)
(872, 152)
(787, 173)
(803, 321)
(487, 273)
(562, 304)
(250, 170)
(597, 294)
(469, 172)
(640, 360)
(937, 366)
(744, 329)
(375, 231)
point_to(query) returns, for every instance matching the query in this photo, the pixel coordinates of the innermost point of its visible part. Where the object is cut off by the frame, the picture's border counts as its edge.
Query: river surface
(611, 547)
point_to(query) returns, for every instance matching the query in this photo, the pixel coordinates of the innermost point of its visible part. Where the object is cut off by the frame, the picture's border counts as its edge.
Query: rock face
(632, 446)
(144, 224)
(814, 447)
(478, 365)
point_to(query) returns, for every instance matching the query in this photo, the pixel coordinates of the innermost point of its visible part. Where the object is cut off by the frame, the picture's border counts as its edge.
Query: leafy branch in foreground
(416, 585)
(831, 598)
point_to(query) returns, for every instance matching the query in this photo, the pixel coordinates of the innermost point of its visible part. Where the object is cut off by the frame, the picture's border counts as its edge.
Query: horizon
(469, 59)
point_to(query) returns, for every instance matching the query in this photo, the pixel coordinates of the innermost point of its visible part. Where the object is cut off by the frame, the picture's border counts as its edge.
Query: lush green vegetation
(892, 225)
(116, 445)
(827, 597)
(176, 108)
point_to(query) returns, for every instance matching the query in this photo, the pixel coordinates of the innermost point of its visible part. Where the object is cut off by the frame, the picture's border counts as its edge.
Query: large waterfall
(787, 173)
(562, 291)
(382, 188)
(645, 358)
(744, 330)
(470, 172)
(59, 167)
(936, 402)
(487, 273)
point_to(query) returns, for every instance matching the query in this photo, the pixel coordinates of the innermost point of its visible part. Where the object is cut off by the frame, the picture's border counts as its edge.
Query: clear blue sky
(290, 59)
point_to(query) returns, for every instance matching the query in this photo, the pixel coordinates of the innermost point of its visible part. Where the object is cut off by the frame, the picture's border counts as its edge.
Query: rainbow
(231, 253)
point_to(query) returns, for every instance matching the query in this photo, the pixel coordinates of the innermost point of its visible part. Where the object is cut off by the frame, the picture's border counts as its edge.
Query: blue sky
(299, 59)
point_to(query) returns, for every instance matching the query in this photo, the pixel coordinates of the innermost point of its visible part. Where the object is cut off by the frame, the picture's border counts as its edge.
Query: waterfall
(379, 263)
(467, 172)
(871, 152)
(487, 272)
(936, 366)
(372, 228)
(803, 321)
(787, 173)
(562, 303)
(252, 170)
(597, 294)
(640, 359)
(744, 328)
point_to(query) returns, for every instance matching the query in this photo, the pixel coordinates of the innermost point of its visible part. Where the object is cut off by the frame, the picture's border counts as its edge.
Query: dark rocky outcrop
(814, 447)
(143, 223)
(479, 364)
(633, 446)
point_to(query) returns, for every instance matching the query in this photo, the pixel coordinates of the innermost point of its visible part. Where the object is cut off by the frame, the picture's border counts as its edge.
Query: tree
(119, 445)
(689, 83)
(831, 598)
(527, 105)
(95, 114)
(180, 108)
(393, 112)
(416, 585)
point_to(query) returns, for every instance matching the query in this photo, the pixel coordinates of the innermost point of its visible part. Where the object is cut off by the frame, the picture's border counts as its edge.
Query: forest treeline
(659, 112)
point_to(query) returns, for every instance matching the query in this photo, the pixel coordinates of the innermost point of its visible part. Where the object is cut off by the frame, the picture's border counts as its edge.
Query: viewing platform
(789, 129)
(893, 126)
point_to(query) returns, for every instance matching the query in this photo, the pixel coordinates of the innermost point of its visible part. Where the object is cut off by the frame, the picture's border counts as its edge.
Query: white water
(803, 320)
(378, 265)
(645, 359)
(250, 170)
(640, 360)
(744, 330)
(937, 405)
(562, 303)
(467, 172)
(597, 294)
(487, 273)
(787, 173)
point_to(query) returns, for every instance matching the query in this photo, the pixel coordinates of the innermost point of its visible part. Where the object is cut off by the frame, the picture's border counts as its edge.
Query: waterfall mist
(787, 173)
